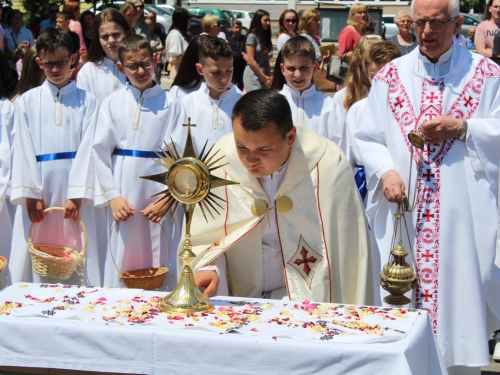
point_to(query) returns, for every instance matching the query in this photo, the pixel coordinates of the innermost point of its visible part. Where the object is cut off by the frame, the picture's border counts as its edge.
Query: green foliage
(467, 5)
(33, 11)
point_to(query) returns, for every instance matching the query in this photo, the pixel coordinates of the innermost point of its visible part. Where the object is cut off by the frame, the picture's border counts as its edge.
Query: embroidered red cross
(432, 97)
(427, 295)
(468, 102)
(427, 175)
(305, 261)
(427, 255)
(399, 102)
(428, 215)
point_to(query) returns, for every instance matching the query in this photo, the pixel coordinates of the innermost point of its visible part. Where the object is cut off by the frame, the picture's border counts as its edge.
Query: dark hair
(11, 14)
(180, 20)
(237, 22)
(51, 39)
(214, 48)
(95, 52)
(30, 74)
(487, 13)
(259, 108)
(134, 43)
(64, 14)
(187, 76)
(295, 46)
(264, 36)
(283, 29)
(85, 14)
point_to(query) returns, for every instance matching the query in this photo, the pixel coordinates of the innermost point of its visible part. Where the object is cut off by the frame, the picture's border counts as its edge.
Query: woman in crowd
(129, 12)
(87, 22)
(31, 75)
(404, 40)
(156, 43)
(258, 50)
(178, 39)
(309, 27)
(73, 8)
(141, 28)
(349, 36)
(15, 34)
(211, 26)
(289, 22)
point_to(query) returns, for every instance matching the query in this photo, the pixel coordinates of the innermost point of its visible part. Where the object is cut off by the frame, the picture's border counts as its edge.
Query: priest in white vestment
(294, 225)
(452, 97)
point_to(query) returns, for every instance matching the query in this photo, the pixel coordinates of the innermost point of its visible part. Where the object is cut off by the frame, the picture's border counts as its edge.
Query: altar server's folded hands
(35, 209)
(121, 209)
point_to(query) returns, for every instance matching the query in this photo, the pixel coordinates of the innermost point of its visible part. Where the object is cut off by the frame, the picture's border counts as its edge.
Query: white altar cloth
(74, 341)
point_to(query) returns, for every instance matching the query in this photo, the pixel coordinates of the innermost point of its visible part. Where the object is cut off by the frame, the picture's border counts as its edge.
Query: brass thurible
(189, 183)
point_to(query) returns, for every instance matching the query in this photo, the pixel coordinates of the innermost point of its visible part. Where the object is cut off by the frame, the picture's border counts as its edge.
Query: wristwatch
(463, 135)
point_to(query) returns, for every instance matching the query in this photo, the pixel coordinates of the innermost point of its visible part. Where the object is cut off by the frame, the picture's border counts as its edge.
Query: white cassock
(5, 223)
(323, 241)
(212, 117)
(101, 79)
(53, 161)
(131, 123)
(455, 223)
(313, 109)
(333, 133)
(180, 92)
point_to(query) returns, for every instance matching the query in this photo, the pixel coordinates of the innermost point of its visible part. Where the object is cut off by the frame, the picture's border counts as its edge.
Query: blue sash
(56, 156)
(360, 178)
(135, 153)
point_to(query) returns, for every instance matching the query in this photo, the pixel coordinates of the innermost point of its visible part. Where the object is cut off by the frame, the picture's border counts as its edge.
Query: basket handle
(82, 226)
(113, 258)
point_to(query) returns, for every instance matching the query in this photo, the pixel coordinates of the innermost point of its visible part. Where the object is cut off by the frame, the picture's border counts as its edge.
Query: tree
(33, 10)
(467, 5)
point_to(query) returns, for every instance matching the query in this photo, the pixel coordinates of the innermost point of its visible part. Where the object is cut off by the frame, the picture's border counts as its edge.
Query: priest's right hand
(35, 209)
(121, 209)
(207, 279)
(393, 187)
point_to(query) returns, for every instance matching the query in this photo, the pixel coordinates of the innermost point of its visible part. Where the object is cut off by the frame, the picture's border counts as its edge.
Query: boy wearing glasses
(52, 166)
(133, 122)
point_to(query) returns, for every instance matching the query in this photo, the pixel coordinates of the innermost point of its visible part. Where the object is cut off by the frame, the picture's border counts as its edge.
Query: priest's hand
(155, 212)
(207, 279)
(393, 186)
(72, 209)
(441, 128)
(121, 209)
(35, 209)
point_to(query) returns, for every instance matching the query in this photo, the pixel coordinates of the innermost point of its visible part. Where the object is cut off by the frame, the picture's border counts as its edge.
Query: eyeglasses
(139, 7)
(291, 21)
(135, 67)
(218, 24)
(436, 25)
(405, 21)
(49, 65)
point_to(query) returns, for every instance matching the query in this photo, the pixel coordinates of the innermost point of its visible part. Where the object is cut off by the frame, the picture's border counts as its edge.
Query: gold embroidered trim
(107, 191)
(24, 186)
(80, 186)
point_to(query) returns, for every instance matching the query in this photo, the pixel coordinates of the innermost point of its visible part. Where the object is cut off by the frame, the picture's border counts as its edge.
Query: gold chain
(213, 115)
(136, 125)
(60, 122)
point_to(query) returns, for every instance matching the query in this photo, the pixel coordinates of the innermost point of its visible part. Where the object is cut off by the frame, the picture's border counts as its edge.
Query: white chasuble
(323, 237)
(454, 225)
(101, 79)
(52, 161)
(131, 126)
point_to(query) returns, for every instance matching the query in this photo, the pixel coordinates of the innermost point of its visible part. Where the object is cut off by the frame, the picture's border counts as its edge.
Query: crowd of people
(82, 112)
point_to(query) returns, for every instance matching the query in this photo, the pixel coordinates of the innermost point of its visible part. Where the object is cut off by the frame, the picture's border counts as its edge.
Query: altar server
(310, 107)
(52, 165)
(132, 123)
(100, 75)
(210, 106)
(294, 225)
(5, 223)
(452, 97)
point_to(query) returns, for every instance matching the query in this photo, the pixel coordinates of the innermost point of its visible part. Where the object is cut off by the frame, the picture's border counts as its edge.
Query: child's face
(138, 67)
(56, 65)
(217, 74)
(110, 35)
(372, 70)
(62, 23)
(299, 71)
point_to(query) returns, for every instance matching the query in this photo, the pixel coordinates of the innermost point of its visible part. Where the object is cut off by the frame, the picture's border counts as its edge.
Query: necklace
(215, 115)
(138, 108)
(60, 122)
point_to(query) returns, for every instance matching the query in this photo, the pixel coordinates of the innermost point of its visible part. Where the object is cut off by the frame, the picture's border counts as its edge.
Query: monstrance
(189, 181)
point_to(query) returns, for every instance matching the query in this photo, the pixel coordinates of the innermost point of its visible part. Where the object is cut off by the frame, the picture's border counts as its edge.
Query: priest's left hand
(154, 212)
(72, 209)
(441, 128)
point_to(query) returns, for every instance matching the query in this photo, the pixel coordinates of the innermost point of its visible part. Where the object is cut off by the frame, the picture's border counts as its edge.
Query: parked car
(469, 21)
(195, 28)
(245, 17)
(199, 13)
(389, 28)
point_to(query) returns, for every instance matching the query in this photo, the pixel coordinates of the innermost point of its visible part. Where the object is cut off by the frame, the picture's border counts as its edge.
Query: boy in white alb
(132, 123)
(5, 223)
(52, 163)
(211, 105)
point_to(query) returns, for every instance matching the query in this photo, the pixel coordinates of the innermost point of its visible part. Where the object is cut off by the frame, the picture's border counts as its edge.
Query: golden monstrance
(189, 181)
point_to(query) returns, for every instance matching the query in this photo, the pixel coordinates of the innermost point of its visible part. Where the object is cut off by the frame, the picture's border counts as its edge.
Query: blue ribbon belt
(360, 178)
(135, 153)
(56, 156)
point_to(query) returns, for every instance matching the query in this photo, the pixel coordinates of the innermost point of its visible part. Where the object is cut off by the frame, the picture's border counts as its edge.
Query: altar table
(120, 330)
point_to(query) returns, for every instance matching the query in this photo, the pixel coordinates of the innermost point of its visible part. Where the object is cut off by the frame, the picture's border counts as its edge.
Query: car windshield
(157, 10)
(251, 15)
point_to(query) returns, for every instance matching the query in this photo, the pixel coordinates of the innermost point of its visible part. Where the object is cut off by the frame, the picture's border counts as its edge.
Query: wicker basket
(3, 264)
(144, 278)
(54, 261)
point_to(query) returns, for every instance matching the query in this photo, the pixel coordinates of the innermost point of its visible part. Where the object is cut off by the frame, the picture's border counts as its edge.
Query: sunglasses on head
(139, 7)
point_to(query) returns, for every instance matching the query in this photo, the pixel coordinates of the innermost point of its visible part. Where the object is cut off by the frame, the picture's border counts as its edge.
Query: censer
(398, 277)
(188, 182)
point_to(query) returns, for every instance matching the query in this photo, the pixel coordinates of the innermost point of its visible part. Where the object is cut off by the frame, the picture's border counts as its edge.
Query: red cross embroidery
(305, 261)
(428, 216)
(427, 175)
(432, 97)
(467, 102)
(427, 255)
(427, 295)
(399, 102)
(431, 115)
